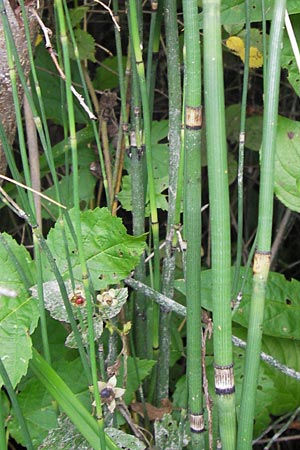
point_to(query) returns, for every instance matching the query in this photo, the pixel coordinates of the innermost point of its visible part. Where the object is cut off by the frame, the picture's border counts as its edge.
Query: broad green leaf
(143, 366)
(77, 14)
(253, 127)
(276, 394)
(37, 405)
(287, 158)
(282, 309)
(287, 395)
(106, 76)
(110, 253)
(18, 315)
(287, 163)
(86, 186)
(233, 11)
(39, 411)
(59, 151)
(85, 45)
(52, 87)
(69, 403)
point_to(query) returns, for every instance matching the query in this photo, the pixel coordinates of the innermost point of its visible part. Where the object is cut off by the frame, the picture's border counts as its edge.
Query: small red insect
(77, 298)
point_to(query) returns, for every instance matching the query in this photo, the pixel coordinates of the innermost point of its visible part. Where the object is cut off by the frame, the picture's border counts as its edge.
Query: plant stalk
(261, 265)
(192, 217)
(219, 221)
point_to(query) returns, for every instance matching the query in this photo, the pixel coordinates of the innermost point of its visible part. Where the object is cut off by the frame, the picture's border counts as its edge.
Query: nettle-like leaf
(125, 441)
(277, 393)
(287, 158)
(160, 157)
(66, 437)
(282, 310)
(110, 253)
(77, 14)
(85, 45)
(18, 315)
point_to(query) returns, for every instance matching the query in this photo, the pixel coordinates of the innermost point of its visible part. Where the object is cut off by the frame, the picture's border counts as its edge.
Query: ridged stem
(219, 221)
(192, 217)
(85, 277)
(242, 136)
(168, 271)
(262, 256)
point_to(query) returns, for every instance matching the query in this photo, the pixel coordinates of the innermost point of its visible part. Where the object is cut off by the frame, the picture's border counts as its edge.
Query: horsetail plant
(261, 265)
(219, 221)
(85, 275)
(168, 271)
(142, 340)
(242, 135)
(136, 42)
(192, 217)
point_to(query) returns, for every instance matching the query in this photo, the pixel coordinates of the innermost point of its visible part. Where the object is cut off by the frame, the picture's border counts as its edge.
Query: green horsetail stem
(219, 221)
(261, 264)
(192, 217)
(84, 271)
(168, 271)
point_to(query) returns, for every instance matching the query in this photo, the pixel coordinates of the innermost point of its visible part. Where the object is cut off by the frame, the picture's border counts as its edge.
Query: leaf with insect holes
(66, 436)
(110, 253)
(233, 11)
(19, 315)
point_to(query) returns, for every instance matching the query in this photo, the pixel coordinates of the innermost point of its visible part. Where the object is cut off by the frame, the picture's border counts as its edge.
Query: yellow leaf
(38, 40)
(237, 46)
